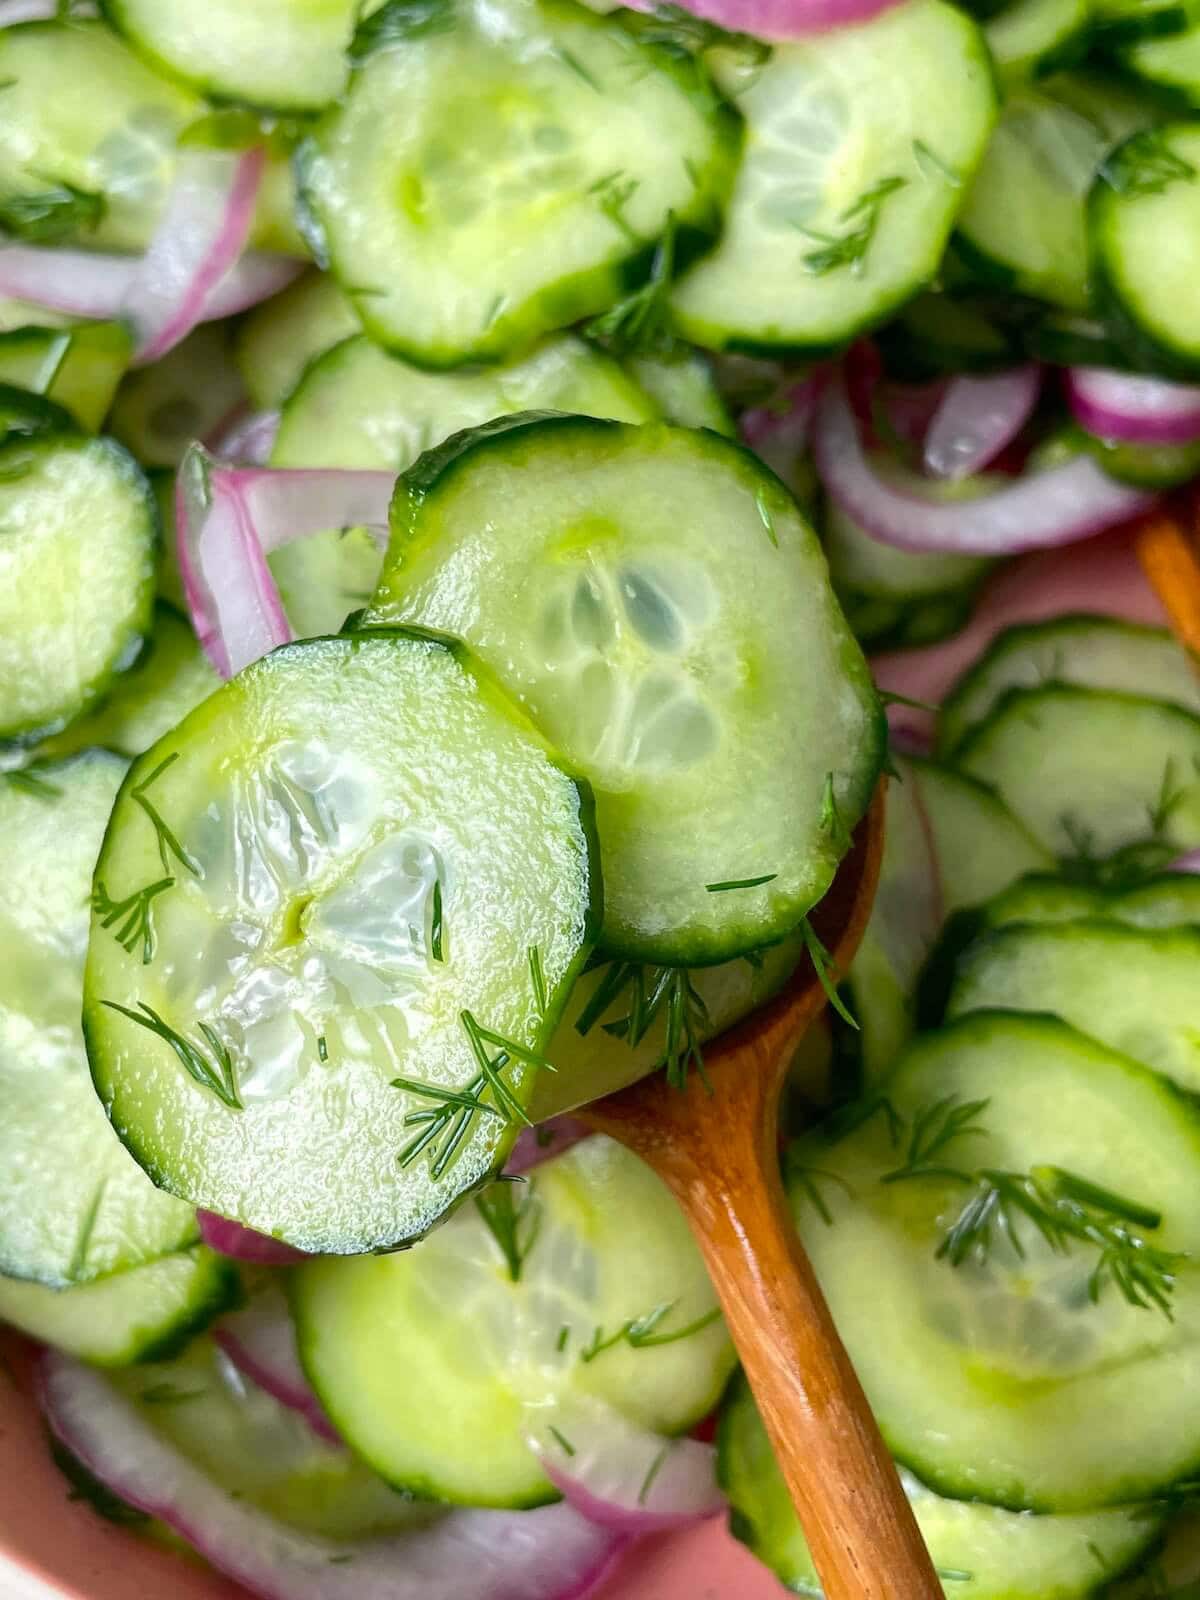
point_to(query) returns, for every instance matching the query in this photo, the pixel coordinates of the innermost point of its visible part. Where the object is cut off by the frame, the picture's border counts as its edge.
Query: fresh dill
(322, 1048)
(514, 1226)
(831, 818)
(850, 249)
(1145, 164)
(51, 214)
(644, 1332)
(740, 883)
(955, 1575)
(931, 1132)
(672, 25)
(766, 516)
(573, 64)
(822, 963)
(437, 929)
(168, 844)
(169, 1394)
(640, 323)
(613, 193)
(131, 919)
(652, 1472)
(33, 784)
(87, 1228)
(537, 975)
(560, 1439)
(932, 165)
(653, 992)
(806, 1178)
(445, 1097)
(889, 697)
(213, 1071)
(845, 1119)
(564, 1335)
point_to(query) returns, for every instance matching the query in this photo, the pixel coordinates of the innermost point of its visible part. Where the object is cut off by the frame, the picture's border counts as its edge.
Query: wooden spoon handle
(858, 1523)
(1170, 557)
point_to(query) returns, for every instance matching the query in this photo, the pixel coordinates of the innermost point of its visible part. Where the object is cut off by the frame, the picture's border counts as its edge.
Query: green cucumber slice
(1171, 901)
(365, 842)
(887, 622)
(358, 406)
(141, 1314)
(573, 1305)
(656, 600)
(936, 334)
(73, 1206)
(1096, 652)
(1110, 782)
(1132, 988)
(684, 387)
(77, 558)
(277, 340)
(162, 409)
(1025, 1380)
(854, 169)
(1031, 37)
(1172, 62)
(78, 368)
(282, 55)
(574, 147)
(866, 566)
(1147, 466)
(979, 1550)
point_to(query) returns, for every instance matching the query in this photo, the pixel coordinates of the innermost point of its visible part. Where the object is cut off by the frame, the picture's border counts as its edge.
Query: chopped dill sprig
(87, 1228)
(766, 516)
(740, 883)
(437, 929)
(932, 1130)
(169, 1394)
(806, 1178)
(640, 324)
(642, 1333)
(654, 991)
(447, 1097)
(831, 818)
(850, 249)
(168, 844)
(560, 1439)
(214, 1072)
(537, 974)
(653, 1471)
(322, 1048)
(822, 965)
(889, 697)
(613, 192)
(133, 916)
(514, 1227)
(33, 784)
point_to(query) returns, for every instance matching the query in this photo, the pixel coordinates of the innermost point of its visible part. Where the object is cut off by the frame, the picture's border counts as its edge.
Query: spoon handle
(1171, 560)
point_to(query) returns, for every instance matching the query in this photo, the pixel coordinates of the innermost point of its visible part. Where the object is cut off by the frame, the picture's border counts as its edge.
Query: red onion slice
(1136, 409)
(248, 439)
(535, 1145)
(1054, 507)
(909, 408)
(245, 1244)
(1187, 863)
(33, 11)
(261, 1343)
(976, 419)
(549, 1554)
(783, 425)
(779, 19)
(624, 1477)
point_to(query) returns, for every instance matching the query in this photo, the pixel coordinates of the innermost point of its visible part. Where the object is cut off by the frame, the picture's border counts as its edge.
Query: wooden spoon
(1169, 550)
(718, 1152)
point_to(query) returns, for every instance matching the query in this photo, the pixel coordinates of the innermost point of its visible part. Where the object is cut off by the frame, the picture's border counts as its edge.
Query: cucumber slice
(1032, 37)
(1023, 222)
(1097, 652)
(1124, 21)
(1097, 777)
(936, 334)
(655, 599)
(886, 622)
(598, 1048)
(979, 845)
(1144, 203)
(358, 406)
(73, 1206)
(76, 575)
(261, 1452)
(868, 567)
(1172, 901)
(15, 314)
(171, 677)
(859, 143)
(277, 340)
(282, 55)
(1020, 1379)
(190, 394)
(574, 146)
(23, 415)
(597, 1312)
(1172, 62)
(78, 368)
(682, 385)
(142, 1314)
(325, 782)
(981, 1551)
(1134, 989)
(1147, 466)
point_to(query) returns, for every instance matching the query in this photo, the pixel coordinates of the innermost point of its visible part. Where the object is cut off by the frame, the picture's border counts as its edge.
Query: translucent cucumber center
(800, 123)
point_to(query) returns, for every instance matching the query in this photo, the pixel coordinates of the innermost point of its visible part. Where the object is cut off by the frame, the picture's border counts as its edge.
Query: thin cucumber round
(984, 1551)
(1147, 466)
(1048, 1378)
(436, 1364)
(1030, 37)
(141, 1314)
(1169, 901)
(936, 334)
(161, 409)
(1096, 652)
(866, 566)
(573, 147)
(282, 55)
(1171, 62)
(887, 622)
(78, 368)
(654, 598)
(368, 887)
(682, 384)
(276, 341)
(80, 534)
(859, 144)
(73, 1206)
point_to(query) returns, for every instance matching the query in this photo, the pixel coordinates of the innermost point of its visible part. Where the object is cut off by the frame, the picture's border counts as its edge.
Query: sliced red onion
(246, 439)
(202, 233)
(784, 424)
(1136, 409)
(245, 1244)
(779, 19)
(1053, 507)
(977, 419)
(261, 1342)
(1187, 863)
(33, 11)
(228, 519)
(550, 1554)
(910, 408)
(535, 1145)
(624, 1477)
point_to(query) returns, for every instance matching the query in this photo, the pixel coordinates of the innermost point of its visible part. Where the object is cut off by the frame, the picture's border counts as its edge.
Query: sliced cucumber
(979, 845)
(1134, 989)
(283, 55)
(358, 406)
(23, 415)
(435, 1364)
(655, 599)
(1024, 1379)
(1093, 774)
(1031, 37)
(683, 387)
(1172, 62)
(866, 566)
(1097, 652)
(887, 622)
(277, 340)
(937, 334)
(1147, 466)
(1024, 219)
(142, 1314)
(1123, 21)
(73, 1206)
(1143, 208)
(364, 841)
(188, 395)
(859, 143)
(573, 147)
(78, 368)
(981, 1552)
(1172, 901)
(76, 575)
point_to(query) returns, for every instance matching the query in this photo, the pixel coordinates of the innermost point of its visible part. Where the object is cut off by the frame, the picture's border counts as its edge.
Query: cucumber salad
(456, 457)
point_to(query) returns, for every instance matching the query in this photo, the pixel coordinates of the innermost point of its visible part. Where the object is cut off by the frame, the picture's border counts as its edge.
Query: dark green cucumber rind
(83, 1485)
(938, 975)
(1146, 466)
(145, 1156)
(1152, 22)
(887, 622)
(225, 1293)
(916, 346)
(1043, 897)
(24, 414)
